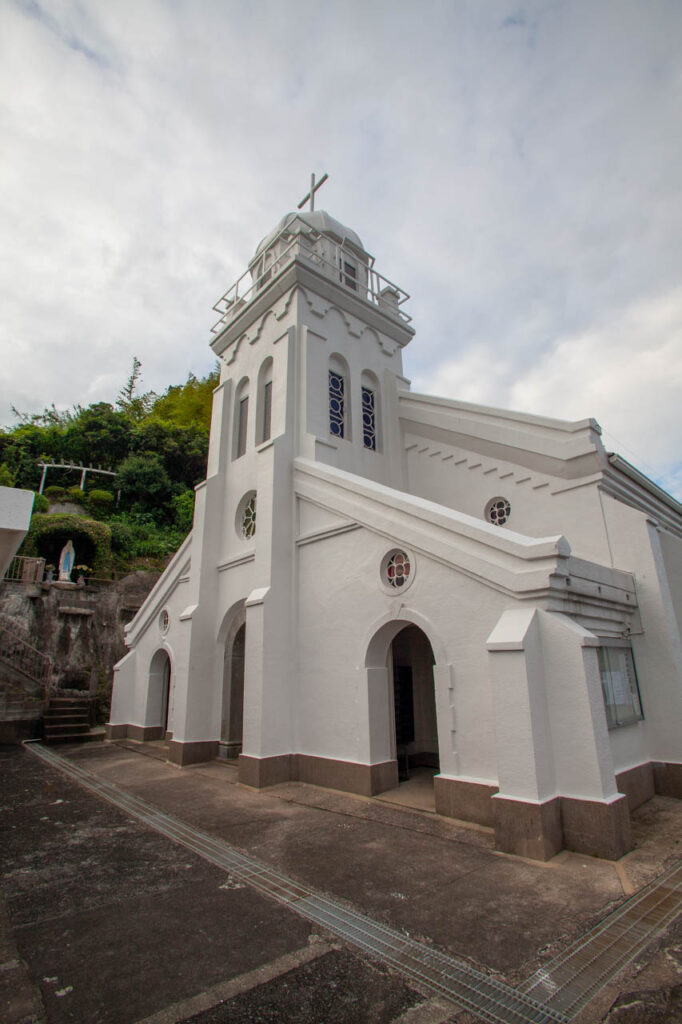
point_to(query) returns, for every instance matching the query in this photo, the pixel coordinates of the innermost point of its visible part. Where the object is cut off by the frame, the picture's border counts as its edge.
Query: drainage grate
(569, 981)
(490, 1000)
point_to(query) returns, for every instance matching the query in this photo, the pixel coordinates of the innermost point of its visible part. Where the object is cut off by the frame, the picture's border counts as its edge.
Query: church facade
(380, 582)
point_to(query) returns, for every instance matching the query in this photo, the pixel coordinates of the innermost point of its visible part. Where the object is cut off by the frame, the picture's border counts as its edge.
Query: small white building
(381, 580)
(16, 506)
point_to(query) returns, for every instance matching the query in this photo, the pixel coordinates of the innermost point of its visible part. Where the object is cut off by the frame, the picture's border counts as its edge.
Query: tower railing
(367, 285)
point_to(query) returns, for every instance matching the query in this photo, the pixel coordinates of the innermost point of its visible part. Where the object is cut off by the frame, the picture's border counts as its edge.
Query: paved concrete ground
(115, 923)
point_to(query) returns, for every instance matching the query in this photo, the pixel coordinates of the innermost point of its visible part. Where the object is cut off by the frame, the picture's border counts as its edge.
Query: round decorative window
(397, 569)
(246, 516)
(164, 621)
(498, 511)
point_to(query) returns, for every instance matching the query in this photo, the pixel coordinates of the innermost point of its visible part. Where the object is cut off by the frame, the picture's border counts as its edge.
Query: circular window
(246, 516)
(164, 621)
(397, 569)
(498, 511)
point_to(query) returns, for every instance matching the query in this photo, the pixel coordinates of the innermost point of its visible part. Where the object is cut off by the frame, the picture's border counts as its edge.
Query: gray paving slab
(438, 881)
(494, 910)
(113, 921)
(339, 988)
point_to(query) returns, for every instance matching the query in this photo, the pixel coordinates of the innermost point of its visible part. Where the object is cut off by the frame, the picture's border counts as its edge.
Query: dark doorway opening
(414, 704)
(232, 725)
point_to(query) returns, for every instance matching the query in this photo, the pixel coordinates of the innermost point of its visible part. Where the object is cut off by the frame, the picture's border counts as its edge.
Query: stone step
(65, 728)
(61, 713)
(93, 736)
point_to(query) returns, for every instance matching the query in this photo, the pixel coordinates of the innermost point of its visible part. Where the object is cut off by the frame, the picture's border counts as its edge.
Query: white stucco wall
(342, 603)
(16, 506)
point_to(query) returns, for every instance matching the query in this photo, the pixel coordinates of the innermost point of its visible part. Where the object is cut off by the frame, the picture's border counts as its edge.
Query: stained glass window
(336, 404)
(249, 518)
(369, 433)
(398, 569)
(498, 511)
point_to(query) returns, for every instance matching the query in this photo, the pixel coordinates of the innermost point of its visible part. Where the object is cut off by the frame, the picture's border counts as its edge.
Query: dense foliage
(156, 444)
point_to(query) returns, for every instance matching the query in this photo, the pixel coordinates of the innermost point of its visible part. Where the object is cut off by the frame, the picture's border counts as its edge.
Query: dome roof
(318, 220)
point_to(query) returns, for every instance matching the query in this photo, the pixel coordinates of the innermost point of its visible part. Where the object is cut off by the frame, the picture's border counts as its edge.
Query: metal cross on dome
(313, 189)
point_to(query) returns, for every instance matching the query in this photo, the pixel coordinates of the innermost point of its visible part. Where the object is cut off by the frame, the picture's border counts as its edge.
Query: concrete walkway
(414, 871)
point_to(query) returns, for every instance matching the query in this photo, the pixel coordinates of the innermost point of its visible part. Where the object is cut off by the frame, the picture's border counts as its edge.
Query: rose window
(398, 568)
(248, 523)
(498, 511)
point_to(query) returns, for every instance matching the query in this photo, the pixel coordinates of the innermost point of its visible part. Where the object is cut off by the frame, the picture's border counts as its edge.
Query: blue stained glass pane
(336, 404)
(369, 435)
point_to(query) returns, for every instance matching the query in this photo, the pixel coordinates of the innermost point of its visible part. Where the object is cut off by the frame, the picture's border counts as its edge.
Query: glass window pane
(267, 410)
(243, 421)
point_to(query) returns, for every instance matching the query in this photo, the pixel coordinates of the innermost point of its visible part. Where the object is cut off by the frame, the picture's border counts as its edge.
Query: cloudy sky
(516, 167)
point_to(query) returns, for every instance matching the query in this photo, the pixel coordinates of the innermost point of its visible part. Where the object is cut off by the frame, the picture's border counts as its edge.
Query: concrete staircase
(67, 720)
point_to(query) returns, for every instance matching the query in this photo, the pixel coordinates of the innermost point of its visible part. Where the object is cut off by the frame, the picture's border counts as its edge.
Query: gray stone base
(668, 778)
(116, 732)
(364, 779)
(637, 784)
(192, 752)
(528, 830)
(229, 751)
(260, 772)
(540, 831)
(468, 801)
(599, 829)
(142, 733)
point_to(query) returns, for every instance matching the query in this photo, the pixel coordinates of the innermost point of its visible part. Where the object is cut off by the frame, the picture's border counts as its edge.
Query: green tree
(7, 477)
(145, 485)
(188, 403)
(98, 436)
(183, 449)
(135, 407)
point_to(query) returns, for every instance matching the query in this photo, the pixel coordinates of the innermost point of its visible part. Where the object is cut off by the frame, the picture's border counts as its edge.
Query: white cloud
(626, 372)
(513, 165)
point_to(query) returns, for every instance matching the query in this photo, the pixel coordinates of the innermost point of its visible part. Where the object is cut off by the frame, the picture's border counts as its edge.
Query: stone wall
(81, 628)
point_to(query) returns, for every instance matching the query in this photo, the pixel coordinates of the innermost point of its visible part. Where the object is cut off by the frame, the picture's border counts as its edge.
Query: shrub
(47, 536)
(121, 537)
(7, 477)
(183, 510)
(76, 495)
(55, 493)
(145, 485)
(40, 503)
(100, 502)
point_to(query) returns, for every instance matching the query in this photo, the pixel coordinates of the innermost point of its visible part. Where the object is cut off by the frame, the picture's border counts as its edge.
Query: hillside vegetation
(156, 444)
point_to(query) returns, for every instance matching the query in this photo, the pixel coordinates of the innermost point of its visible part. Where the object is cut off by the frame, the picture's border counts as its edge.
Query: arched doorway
(232, 718)
(411, 662)
(158, 705)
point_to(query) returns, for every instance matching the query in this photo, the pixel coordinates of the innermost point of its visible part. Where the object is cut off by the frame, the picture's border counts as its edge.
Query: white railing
(368, 285)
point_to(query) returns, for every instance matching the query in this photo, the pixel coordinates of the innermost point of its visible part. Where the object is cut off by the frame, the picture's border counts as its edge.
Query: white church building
(380, 582)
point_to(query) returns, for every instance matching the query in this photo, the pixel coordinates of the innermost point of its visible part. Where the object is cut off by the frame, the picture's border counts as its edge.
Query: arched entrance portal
(232, 719)
(159, 693)
(414, 704)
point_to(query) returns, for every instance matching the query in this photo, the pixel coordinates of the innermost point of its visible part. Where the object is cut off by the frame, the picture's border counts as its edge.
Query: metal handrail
(246, 287)
(25, 658)
(24, 569)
